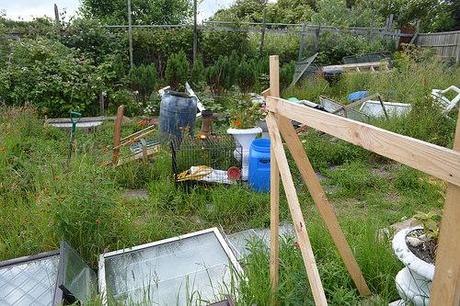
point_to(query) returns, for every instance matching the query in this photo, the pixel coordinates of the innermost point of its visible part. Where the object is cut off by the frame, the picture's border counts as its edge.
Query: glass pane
(79, 279)
(29, 283)
(187, 271)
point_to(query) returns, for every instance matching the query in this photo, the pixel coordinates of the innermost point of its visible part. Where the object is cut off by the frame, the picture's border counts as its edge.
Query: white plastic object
(244, 137)
(439, 96)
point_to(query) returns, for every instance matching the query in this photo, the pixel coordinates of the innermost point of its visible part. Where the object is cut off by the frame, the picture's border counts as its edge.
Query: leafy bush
(246, 77)
(176, 73)
(334, 47)
(198, 73)
(286, 74)
(51, 76)
(158, 45)
(216, 44)
(143, 79)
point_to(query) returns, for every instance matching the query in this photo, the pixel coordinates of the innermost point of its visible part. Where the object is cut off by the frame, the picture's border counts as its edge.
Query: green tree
(246, 76)
(176, 72)
(198, 73)
(143, 11)
(143, 79)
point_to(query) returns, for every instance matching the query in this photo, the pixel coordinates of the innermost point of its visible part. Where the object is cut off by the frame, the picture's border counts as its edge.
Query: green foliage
(51, 76)
(157, 45)
(223, 74)
(286, 74)
(176, 73)
(246, 77)
(82, 213)
(216, 44)
(245, 114)
(144, 80)
(143, 12)
(198, 78)
(334, 47)
(124, 97)
(431, 222)
(88, 36)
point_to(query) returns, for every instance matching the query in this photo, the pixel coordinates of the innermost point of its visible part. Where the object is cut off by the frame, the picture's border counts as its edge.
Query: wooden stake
(117, 135)
(319, 197)
(446, 282)
(296, 213)
(274, 192)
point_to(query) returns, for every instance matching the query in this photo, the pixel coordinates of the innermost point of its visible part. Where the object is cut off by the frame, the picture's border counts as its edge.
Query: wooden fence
(434, 160)
(446, 44)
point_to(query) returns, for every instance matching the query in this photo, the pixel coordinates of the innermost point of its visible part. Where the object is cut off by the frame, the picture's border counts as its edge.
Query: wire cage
(215, 159)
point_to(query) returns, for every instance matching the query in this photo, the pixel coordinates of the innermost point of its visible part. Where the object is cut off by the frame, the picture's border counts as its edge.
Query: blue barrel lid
(261, 145)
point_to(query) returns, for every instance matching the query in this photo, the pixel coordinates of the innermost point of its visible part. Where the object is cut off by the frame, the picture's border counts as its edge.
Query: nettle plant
(430, 222)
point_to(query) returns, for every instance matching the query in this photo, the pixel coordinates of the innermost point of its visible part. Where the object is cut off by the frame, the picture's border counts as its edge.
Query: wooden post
(324, 207)
(274, 192)
(130, 36)
(296, 213)
(117, 135)
(446, 283)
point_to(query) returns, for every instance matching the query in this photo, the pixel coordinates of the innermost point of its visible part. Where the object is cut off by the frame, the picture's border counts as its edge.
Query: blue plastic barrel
(177, 114)
(259, 165)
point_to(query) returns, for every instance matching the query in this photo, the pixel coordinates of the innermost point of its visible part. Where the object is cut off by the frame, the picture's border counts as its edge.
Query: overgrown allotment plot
(44, 199)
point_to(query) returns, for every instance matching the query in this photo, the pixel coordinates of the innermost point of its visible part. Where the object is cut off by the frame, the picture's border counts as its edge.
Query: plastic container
(357, 95)
(259, 165)
(177, 114)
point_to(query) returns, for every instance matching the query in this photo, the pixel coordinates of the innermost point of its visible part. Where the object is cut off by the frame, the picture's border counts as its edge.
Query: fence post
(302, 43)
(130, 36)
(317, 32)
(457, 59)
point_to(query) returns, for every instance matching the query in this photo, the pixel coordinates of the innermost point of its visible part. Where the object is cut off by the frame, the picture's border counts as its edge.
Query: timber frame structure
(434, 160)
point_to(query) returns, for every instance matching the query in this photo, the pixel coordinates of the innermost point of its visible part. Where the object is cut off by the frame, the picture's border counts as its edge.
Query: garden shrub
(158, 45)
(51, 76)
(198, 77)
(218, 43)
(176, 73)
(144, 80)
(246, 77)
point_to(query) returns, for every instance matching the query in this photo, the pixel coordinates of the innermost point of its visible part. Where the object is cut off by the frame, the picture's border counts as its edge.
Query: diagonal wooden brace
(319, 197)
(296, 213)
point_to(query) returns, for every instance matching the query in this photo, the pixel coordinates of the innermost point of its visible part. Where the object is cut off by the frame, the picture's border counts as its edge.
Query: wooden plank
(446, 282)
(296, 213)
(324, 207)
(274, 192)
(432, 159)
(117, 135)
(149, 152)
(274, 226)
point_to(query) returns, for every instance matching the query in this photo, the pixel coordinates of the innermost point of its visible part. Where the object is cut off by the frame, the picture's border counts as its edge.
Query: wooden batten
(437, 161)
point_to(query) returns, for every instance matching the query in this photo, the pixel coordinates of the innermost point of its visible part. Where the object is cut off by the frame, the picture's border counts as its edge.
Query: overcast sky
(28, 9)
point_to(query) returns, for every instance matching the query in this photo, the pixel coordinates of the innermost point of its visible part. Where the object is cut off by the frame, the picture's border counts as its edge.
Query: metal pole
(195, 33)
(302, 43)
(130, 36)
(262, 38)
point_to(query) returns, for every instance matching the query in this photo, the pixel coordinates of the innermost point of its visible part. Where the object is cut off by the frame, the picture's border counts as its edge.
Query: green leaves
(51, 76)
(176, 73)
